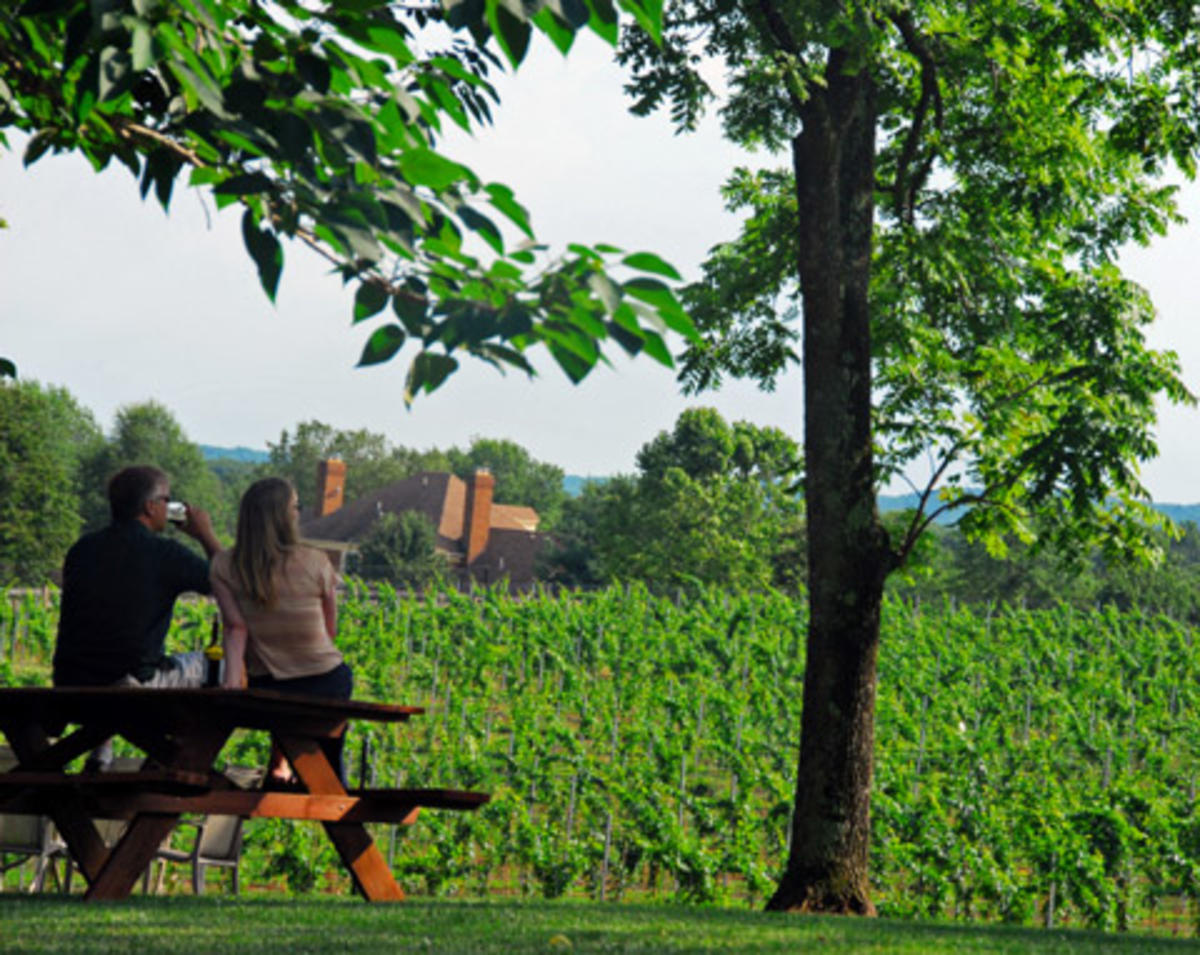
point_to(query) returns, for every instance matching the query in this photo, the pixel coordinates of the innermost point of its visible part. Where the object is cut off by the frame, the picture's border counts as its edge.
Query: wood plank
(129, 857)
(77, 830)
(57, 755)
(395, 806)
(310, 763)
(368, 868)
(257, 709)
(456, 799)
(168, 780)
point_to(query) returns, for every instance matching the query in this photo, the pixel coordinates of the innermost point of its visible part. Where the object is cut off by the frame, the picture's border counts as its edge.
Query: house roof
(440, 496)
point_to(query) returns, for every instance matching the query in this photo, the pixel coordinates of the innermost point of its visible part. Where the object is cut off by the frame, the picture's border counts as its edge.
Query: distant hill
(1180, 513)
(212, 453)
(573, 484)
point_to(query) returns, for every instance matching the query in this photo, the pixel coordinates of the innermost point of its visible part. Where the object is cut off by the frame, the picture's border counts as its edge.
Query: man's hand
(199, 526)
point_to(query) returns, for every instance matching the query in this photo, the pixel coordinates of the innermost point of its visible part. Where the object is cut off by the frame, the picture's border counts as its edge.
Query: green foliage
(44, 435)
(401, 549)
(148, 433)
(710, 504)
(1017, 750)
(322, 122)
(1015, 153)
(371, 462)
(948, 567)
(962, 179)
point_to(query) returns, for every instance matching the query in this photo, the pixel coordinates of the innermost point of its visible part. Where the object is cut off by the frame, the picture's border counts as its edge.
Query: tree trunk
(848, 556)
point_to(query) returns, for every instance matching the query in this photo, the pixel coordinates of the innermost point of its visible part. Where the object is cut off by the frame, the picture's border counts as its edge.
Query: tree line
(709, 503)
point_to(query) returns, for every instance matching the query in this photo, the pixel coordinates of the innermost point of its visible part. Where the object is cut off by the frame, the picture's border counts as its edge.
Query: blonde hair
(266, 535)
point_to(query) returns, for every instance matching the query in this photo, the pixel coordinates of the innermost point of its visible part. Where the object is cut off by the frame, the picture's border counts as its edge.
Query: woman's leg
(337, 684)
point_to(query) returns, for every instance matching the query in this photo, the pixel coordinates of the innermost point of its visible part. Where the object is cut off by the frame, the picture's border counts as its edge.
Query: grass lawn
(272, 924)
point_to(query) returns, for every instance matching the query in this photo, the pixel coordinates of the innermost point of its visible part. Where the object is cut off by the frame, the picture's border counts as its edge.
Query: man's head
(140, 493)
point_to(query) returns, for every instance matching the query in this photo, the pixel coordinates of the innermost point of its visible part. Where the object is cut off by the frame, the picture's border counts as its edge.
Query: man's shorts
(188, 671)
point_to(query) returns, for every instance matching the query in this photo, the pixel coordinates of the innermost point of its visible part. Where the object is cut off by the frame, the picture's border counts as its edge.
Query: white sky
(120, 303)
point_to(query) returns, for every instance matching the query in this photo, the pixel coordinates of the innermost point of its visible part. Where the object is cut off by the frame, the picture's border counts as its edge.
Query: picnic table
(182, 732)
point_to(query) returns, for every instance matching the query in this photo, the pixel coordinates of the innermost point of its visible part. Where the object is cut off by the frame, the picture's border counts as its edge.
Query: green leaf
(37, 146)
(426, 373)
(574, 13)
(631, 342)
(370, 299)
(267, 253)
(115, 73)
(656, 348)
(410, 309)
(653, 292)
(208, 96)
(512, 33)
(484, 226)
(244, 184)
(142, 48)
(648, 15)
(576, 367)
(515, 321)
(390, 39)
(424, 167)
(382, 345)
(560, 35)
(603, 21)
(501, 355)
(606, 290)
(649, 262)
(7, 369)
(502, 198)
(462, 14)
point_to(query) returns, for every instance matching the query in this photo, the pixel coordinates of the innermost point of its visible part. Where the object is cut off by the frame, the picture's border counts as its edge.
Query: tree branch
(904, 189)
(128, 129)
(921, 521)
(781, 35)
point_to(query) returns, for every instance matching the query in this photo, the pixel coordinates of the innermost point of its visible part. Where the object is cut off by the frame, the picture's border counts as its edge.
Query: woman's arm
(234, 636)
(329, 609)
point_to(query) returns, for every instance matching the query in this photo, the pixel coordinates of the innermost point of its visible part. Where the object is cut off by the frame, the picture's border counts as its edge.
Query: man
(119, 589)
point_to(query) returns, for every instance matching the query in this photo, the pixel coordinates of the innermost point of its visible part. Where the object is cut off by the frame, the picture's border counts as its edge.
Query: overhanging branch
(906, 186)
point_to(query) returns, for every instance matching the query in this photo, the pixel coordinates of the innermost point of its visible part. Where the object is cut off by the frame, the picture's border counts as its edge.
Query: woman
(279, 609)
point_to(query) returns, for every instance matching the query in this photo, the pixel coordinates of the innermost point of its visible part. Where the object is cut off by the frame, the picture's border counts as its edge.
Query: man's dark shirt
(118, 593)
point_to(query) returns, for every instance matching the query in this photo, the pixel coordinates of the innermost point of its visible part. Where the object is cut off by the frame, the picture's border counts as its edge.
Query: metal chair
(217, 840)
(30, 837)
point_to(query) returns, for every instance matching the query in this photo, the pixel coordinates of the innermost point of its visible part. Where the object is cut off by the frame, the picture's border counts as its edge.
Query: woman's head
(267, 529)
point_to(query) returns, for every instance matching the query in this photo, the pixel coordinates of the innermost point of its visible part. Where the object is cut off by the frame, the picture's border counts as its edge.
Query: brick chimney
(477, 524)
(331, 483)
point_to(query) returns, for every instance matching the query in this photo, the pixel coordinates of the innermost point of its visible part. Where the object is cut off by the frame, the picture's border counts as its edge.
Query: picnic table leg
(30, 742)
(129, 858)
(79, 833)
(368, 868)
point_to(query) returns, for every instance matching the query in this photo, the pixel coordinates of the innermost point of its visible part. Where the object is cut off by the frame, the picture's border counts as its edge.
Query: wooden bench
(183, 731)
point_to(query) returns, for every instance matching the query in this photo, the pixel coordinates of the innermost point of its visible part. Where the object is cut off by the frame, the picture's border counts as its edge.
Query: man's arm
(199, 526)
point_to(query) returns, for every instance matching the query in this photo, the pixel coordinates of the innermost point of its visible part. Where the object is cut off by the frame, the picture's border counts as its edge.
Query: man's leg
(188, 671)
(101, 757)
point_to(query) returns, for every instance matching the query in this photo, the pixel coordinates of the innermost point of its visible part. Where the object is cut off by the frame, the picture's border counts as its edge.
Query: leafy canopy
(322, 121)
(1018, 148)
(710, 503)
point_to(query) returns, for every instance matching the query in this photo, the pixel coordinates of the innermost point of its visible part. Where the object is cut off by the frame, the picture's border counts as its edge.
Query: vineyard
(1031, 767)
